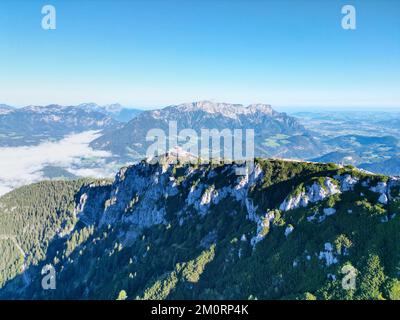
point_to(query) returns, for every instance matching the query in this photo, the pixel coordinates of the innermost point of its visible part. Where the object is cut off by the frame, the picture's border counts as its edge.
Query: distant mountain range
(5, 109)
(276, 134)
(33, 124)
(115, 111)
(366, 139)
(339, 157)
(375, 153)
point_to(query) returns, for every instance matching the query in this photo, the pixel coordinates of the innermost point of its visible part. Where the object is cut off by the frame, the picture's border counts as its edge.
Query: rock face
(318, 192)
(289, 229)
(263, 225)
(347, 182)
(314, 193)
(383, 198)
(381, 187)
(132, 198)
(329, 211)
(385, 190)
(87, 210)
(139, 195)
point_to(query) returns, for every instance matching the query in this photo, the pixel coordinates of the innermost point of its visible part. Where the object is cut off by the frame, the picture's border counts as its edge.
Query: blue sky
(155, 53)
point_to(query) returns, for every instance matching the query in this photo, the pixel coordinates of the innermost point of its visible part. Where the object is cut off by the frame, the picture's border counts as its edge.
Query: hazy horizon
(276, 107)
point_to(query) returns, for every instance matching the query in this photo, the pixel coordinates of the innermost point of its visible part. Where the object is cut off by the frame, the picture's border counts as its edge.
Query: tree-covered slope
(288, 230)
(30, 218)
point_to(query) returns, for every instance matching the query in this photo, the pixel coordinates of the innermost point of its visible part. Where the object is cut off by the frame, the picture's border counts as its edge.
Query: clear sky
(154, 53)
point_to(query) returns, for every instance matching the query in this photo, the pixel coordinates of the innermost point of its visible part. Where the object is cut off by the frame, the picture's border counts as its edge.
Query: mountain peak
(5, 109)
(44, 109)
(261, 107)
(88, 105)
(174, 155)
(226, 109)
(108, 108)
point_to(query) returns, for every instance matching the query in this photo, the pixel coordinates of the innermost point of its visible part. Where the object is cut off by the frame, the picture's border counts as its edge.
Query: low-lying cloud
(23, 165)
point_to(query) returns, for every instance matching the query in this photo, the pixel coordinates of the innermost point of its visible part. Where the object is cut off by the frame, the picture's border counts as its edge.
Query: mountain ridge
(275, 133)
(192, 231)
(32, 124)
